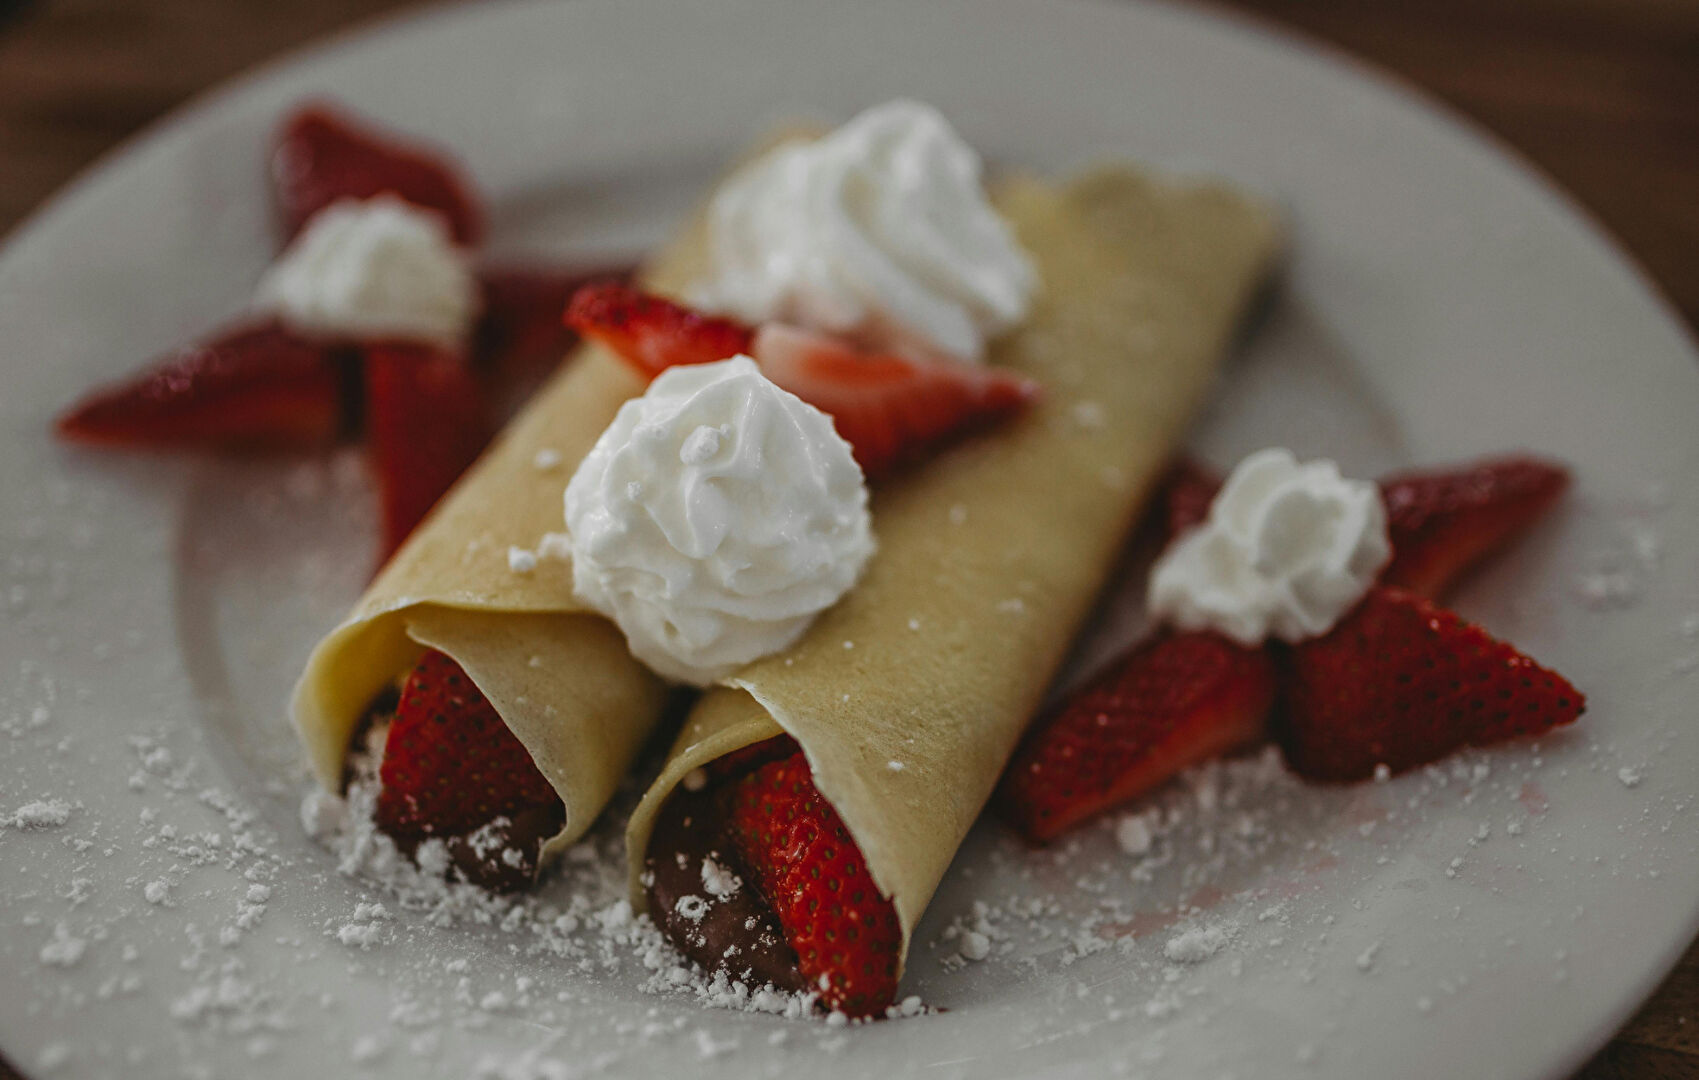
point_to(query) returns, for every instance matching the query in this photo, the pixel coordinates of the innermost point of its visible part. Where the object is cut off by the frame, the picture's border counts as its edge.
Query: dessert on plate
(841, 474)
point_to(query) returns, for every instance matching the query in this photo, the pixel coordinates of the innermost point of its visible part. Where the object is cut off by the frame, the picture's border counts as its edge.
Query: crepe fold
(558, 674)
(909, 696)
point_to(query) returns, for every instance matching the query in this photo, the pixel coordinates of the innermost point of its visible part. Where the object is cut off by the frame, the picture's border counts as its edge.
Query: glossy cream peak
(373, 269)
(1288, 548)
(715, 518)
(880, 231)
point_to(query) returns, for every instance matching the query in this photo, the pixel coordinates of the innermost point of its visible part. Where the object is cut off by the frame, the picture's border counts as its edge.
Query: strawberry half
(803, 861)
(890, 409)
(253, 387)
(426, 422)
(522, 335)
(1442, 523)
(1400, 682)
(450, 765)
(1168, 704)
(1187, 493)
(321, 155)
(652, 333)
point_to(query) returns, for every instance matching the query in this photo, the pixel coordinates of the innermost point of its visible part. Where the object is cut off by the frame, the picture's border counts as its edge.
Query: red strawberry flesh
(892, 410)
(796, 851)
(1186, 496)
(1442, 523)
(1164, 706)
(322, 155)
(426, 422)
(450, 765)
(650, 332)
(255, 387)
(1400, 682)
(522, 335)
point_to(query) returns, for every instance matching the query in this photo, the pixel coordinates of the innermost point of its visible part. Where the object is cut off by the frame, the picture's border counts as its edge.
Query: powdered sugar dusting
(155, 857)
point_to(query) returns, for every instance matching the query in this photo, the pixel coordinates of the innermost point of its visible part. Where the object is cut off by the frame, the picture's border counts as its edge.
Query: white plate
(1496, 919)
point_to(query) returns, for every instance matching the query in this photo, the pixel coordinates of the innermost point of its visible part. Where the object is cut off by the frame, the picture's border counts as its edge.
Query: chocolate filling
(736, 932)
(502, 855)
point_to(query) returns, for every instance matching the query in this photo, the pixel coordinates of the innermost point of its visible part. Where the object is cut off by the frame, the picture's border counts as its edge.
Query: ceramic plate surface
(163, 913)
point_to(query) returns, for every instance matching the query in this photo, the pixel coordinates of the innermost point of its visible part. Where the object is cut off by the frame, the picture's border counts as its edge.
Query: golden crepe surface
(558, 674)
(909, 696)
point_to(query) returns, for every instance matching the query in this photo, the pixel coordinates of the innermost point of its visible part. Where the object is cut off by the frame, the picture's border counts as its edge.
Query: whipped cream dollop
(879, 231)
(1288, 548)
(715, 518)
(374, 268)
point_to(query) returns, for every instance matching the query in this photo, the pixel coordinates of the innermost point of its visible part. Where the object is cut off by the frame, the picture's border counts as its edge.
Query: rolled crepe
(909, 696)
(558, 674)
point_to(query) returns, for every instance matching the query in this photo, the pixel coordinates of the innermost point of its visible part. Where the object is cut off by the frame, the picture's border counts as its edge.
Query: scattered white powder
(547, 459)
(719, 881)
(358, 935)
(521, 561)
(367, 1049)
(708, 1047)
(41, 814)
(975, 946)
(63, 950)
(555, 545)
(1629, 776)
(53, 1056)
(1197, 944)
(895, 766)
(157, 892)
(691, 907)
(1133, 833)
(322, 813)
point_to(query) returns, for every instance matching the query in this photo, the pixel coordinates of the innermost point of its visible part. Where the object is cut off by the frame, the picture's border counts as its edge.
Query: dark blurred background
(1603, 95)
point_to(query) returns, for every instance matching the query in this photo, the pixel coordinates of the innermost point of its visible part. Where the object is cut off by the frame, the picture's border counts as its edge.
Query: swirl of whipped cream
(1287, 549)
(715, 518)
(374, 268)
(879, 231)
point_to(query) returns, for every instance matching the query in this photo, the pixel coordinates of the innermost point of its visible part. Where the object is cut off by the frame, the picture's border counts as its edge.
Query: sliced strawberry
(1168, 704)
(426, 421)
(1443, 523)
(890, 409)
(650, 332)
(322, 155)
(746, 758)
(1400, 682)
(522, 335)
(254, 387)
(1190, 488)
(450, 765)
(800, 857)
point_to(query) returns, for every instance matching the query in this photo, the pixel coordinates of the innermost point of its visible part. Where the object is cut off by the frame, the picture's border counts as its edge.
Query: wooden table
(1601, 94)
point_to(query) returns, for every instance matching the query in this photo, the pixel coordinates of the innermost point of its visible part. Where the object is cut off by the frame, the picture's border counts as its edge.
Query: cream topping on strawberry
(880, 232)
(1287, 549)
(715, 518)
(377, 268)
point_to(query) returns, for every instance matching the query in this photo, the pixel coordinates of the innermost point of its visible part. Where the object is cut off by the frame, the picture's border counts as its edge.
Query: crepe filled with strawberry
(1010, 411)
